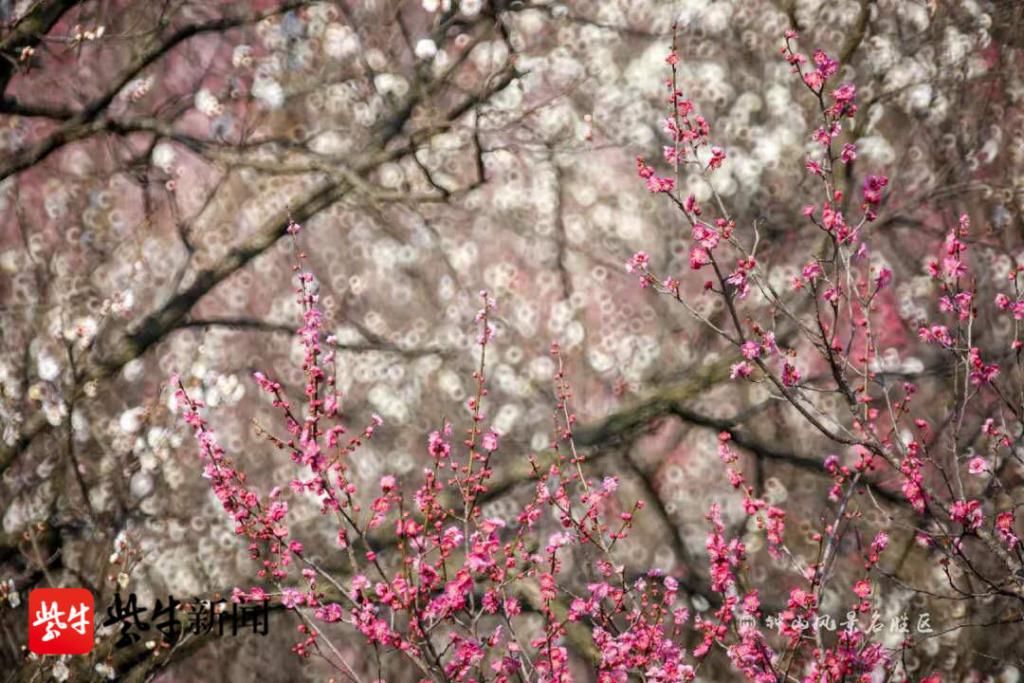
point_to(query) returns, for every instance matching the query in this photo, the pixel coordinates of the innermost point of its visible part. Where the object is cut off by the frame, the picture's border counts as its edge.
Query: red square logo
(60, 621)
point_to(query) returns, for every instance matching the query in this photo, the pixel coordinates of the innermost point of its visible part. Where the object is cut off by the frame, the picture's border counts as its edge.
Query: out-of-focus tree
(154, 152)
(153, 156)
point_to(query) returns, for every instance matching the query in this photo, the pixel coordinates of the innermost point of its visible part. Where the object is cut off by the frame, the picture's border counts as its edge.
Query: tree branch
(28, 32)
(152, 328)
(85, 123)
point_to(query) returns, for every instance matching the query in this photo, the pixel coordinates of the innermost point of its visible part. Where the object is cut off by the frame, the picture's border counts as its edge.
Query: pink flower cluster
(838, 346)
(450, 597)
(459, 570)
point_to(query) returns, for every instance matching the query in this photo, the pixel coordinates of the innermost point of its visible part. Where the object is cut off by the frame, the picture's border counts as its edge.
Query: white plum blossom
(61, 672)
(391, 84)
(340, 41)
(471, 8)
(268, 92)
(122, 302)
(164, 156)
(47, 367)
(131, 420)
(425, 48)
(241, 56)
(206, 103)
